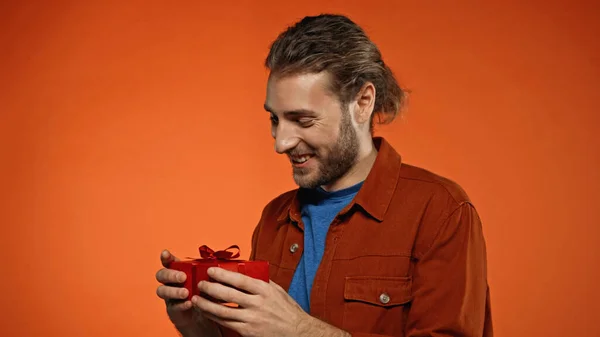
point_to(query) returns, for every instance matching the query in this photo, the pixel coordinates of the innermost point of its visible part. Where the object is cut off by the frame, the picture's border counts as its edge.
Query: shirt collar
(376, 193)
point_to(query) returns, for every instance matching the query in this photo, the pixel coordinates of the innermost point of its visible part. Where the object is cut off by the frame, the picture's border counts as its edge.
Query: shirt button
(384, 298)
(294, 248)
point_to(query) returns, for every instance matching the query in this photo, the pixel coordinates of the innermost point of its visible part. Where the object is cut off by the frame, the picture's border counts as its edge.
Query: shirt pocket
(376, 304)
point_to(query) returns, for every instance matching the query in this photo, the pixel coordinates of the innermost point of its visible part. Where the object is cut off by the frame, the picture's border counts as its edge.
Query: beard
(336, 161)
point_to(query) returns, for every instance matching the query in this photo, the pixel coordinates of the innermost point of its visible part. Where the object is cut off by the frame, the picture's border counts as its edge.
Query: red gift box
(196, 269)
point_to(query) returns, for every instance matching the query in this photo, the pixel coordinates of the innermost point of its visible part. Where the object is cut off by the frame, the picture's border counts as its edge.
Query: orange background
(129, 128)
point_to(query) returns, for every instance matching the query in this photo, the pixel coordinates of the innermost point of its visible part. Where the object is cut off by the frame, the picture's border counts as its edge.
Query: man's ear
(365, 103)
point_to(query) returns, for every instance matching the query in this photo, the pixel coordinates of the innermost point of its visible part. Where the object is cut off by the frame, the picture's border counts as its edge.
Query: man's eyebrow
(292, 112)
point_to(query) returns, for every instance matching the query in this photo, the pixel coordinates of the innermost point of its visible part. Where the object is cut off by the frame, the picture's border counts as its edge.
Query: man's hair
(336, 44)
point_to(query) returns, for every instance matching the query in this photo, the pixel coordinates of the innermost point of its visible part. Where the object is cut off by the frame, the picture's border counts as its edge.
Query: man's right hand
(187, 319)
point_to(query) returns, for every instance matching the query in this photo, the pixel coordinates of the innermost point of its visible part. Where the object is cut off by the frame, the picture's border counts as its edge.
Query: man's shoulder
(427, 181)
(429, 199)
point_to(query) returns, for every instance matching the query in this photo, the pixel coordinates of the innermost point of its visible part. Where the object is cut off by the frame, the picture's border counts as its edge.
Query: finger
(171, 293)
(166, 258)
(170, 276)
(219, 311)
(175, 306)
(238, 280)
(233, 325)
(227, 294)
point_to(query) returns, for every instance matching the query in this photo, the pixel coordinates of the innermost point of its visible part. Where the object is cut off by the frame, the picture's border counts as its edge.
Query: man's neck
(358, 172)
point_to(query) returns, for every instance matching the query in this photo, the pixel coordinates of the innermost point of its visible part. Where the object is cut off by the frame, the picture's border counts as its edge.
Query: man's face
(312, 128)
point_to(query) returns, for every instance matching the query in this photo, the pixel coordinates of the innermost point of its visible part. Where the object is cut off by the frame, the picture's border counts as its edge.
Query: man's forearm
(190, 331)
(199, 331)
(314, 327)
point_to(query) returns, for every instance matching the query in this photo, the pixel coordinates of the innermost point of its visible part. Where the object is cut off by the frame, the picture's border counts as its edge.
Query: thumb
(166, 258)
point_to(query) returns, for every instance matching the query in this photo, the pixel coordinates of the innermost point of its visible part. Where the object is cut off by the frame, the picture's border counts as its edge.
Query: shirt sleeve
(253, 243)
(450, 290)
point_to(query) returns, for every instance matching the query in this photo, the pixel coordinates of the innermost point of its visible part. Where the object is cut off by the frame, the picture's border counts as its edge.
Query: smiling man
(366, 245)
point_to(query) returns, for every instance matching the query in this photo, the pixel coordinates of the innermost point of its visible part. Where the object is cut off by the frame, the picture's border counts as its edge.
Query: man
(367, 245)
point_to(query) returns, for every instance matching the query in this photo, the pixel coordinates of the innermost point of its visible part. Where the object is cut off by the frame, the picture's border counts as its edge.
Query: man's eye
(273, 119)
(305, 121)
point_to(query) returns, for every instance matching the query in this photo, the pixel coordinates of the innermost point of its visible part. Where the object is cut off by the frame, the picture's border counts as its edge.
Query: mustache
(296, 153)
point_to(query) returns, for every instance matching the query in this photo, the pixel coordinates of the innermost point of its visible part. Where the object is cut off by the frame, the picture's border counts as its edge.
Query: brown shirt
(406, 257)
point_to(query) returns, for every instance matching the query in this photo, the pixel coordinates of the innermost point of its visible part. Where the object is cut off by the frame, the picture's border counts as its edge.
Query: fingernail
(181, 277)
(211, 271)
(165, 254)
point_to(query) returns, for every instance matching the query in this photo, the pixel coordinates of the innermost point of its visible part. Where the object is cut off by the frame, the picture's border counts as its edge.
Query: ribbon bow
(207, 253)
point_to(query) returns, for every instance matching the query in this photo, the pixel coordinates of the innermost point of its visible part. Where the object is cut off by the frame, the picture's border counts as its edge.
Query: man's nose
(285, 138)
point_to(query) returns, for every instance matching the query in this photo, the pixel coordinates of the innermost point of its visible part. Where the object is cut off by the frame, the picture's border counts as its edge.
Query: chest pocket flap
(378, 290)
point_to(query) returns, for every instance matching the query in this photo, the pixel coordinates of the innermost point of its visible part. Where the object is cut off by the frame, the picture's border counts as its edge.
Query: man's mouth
(300, 159)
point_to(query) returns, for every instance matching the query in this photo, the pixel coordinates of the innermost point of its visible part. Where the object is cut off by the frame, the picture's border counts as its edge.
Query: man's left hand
(265, 310)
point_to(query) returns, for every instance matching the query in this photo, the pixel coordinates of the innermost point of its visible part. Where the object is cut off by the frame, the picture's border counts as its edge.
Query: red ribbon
(207, 253)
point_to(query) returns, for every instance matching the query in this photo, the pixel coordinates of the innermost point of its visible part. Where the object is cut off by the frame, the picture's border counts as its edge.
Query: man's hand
(266, 310)
(188, 320)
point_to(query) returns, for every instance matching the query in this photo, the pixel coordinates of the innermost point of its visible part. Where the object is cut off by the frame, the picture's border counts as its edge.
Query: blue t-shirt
(319, 208)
